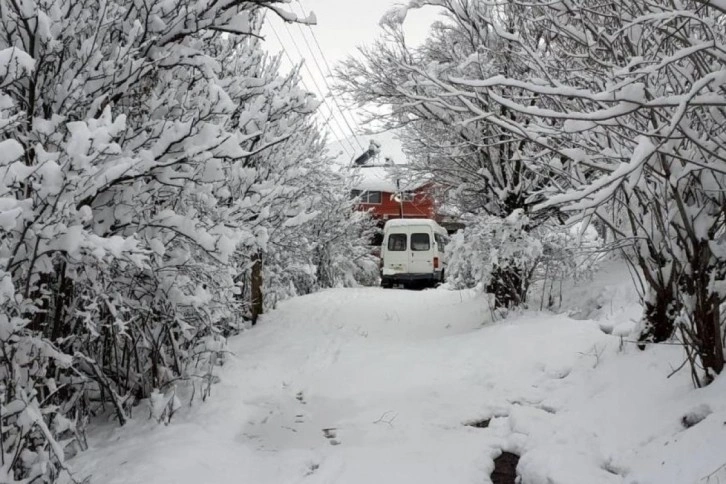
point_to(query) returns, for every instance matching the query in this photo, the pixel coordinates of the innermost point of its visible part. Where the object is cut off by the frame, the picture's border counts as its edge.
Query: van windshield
(420, 242)
(397, 242)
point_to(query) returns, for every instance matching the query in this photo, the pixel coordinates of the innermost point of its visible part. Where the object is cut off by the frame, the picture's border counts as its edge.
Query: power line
(317, 87)
(307, 88)
(322, 74)
(325, 61)
(325, 119)
(320, 91)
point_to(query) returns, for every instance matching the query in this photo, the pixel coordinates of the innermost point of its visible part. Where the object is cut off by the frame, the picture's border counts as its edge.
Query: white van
(412, 252)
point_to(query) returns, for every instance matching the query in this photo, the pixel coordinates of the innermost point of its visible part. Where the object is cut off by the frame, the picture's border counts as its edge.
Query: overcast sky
(342, 25)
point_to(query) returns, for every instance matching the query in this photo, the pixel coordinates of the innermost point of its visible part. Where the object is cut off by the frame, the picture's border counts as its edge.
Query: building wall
(422, 206)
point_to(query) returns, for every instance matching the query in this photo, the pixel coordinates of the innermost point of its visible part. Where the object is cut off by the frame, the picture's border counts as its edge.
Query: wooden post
(256, 307)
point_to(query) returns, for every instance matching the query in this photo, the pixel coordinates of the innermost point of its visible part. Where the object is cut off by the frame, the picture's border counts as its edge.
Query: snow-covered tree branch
(148, 153)
(612, 112)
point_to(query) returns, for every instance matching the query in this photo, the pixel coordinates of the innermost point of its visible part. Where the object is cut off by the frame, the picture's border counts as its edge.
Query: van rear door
(395, 256)
(421, 250)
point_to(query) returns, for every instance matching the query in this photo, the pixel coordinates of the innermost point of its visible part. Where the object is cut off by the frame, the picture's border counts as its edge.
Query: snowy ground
(375, 386)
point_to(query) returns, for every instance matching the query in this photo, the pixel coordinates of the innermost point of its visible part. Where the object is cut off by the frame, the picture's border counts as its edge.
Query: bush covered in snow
(328, 250)
(149, 151)
(570, 253)
(490, 246)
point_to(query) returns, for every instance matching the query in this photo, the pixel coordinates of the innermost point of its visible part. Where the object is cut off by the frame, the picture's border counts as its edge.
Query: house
(387, 190)
(386, 194)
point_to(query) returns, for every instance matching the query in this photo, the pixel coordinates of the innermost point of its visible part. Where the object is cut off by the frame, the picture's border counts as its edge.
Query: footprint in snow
(331, 434)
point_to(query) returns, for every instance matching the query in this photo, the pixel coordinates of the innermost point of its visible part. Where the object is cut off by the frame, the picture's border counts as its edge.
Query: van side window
(441, 241)
(397, 242)
(420, 242)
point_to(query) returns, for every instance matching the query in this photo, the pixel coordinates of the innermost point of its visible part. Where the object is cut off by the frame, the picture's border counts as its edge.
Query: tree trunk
(62, 298)
(706, 317)
(256, 301)
(661, 310)
(711, 353)
(323, 273)
(508, 287)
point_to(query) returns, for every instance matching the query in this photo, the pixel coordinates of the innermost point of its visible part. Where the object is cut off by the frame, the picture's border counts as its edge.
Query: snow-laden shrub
(162, 406)
(147, 156)
(569, 253)
(489, 246)
(362, 270)
(329, 250)
(343, 257)
(31, 371)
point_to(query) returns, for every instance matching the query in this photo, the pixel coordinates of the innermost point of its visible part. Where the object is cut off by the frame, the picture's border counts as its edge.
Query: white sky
(342, 26)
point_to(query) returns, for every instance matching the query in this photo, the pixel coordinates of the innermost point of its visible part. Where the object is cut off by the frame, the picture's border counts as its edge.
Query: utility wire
(325, 61)
(324, 117)
(322, 74)
(320, 91)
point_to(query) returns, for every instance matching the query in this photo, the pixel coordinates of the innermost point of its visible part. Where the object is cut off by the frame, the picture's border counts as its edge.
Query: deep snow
(375, 386)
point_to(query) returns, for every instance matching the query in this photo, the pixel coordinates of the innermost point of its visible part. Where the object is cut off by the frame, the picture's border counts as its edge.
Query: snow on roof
(374, 179)
(380, 172)
(407, 222)
(383, 179)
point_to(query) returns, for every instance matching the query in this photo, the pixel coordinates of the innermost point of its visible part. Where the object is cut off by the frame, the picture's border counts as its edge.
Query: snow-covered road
(375, 386)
